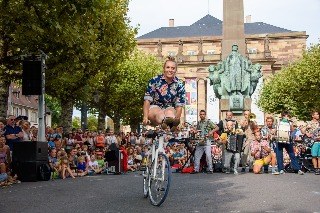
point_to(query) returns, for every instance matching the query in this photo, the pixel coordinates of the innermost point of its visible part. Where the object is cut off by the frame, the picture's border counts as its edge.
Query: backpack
(44, 172)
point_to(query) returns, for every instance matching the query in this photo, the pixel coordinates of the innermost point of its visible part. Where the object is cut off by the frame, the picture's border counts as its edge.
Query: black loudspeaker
(28, 171)
(115, 161)
(32, 78)
(30, 151)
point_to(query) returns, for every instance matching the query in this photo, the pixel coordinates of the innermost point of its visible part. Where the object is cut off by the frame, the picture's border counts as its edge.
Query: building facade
(199, 45)
(19, 104)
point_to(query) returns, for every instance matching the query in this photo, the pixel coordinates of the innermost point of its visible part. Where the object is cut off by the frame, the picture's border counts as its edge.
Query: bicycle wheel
(146, 177)
(160, 184)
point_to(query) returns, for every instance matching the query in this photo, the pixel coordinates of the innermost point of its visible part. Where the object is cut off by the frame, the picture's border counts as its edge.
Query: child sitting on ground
(94, 166)
(82, 169)
(64, 168)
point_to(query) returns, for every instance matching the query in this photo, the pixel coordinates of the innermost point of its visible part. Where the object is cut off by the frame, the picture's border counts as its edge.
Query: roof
(210, 26)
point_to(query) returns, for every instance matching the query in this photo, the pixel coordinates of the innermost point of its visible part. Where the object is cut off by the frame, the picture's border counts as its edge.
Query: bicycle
(157, 174)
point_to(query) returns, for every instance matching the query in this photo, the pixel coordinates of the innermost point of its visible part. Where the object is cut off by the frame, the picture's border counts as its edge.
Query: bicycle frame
(155, 152)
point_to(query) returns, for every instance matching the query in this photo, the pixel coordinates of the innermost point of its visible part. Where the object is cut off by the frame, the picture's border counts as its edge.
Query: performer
(261, 151)
(268, 133)
(288, 144)
(165, 97)
(206, 128)
(233, 148)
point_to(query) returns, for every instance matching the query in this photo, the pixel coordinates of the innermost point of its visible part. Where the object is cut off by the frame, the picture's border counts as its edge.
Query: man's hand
(145, 121)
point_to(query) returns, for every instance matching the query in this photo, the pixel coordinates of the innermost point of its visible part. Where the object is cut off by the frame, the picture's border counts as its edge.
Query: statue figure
(255, 76)
(266, 44)
(159, 45)
(180, 50)
(234, 77)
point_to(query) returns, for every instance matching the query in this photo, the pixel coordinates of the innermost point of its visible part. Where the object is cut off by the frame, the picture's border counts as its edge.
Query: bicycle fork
(155, 159)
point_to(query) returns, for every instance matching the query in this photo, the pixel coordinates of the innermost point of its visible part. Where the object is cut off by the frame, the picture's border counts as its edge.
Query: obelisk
(233, 27)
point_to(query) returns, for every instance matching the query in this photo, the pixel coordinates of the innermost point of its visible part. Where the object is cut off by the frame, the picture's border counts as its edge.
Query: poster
(213, 110)
(191, 109)
(254, 107)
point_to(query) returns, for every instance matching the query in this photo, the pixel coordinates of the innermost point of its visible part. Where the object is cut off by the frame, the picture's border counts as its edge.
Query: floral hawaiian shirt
(257, 146)
(165, 95)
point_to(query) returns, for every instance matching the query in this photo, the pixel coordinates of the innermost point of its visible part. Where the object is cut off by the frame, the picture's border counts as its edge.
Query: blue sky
(296, 15)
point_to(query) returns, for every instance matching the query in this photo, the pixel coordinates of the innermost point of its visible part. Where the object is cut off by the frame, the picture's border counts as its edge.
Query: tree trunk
(116, 121)
(4, 94)
(84, 116)
(66, 115)
(101, 120)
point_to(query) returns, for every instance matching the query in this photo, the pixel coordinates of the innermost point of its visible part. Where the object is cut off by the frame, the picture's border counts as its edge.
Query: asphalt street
(188, 193)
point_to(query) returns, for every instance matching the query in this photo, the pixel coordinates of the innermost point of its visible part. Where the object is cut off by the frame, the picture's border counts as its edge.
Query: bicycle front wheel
(159, 180)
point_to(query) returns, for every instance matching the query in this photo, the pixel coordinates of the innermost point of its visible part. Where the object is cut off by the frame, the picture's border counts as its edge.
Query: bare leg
(156, 115)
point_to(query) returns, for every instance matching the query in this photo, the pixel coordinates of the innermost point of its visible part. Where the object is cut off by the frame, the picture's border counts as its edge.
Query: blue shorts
(3, 177)
(315, 150)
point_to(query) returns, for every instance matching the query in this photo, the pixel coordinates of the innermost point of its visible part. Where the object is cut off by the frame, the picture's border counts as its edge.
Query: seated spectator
(261, 151)
(64, 169)
(101, 161)
(93, 167)
(51, 144)
(53, 162)
(82, 168)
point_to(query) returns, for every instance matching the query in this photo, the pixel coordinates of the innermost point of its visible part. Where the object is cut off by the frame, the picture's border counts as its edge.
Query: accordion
(235, 142)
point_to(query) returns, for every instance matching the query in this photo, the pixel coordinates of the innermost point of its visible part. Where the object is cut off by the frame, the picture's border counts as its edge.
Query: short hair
(314, 111)
(270, 117)
(285, 113)
(203, 111)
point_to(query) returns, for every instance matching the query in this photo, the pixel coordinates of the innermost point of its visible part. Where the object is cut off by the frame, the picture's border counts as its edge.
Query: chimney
(171, 22)
(248, 19)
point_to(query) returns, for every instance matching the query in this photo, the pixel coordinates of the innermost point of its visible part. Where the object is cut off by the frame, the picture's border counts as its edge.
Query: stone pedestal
(238, 114)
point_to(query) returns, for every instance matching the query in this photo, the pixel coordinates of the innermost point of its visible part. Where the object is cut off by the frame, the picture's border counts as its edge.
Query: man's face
(11, 120)
(229, 115)
(230, 126)
(170, 69)
(269, 123)
(315, 115)
(202, 115)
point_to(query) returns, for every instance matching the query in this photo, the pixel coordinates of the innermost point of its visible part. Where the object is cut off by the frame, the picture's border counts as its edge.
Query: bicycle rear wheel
(160, 184)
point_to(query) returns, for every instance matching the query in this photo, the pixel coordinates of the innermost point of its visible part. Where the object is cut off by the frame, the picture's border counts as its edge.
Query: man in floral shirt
(165, 96)
(261, 151)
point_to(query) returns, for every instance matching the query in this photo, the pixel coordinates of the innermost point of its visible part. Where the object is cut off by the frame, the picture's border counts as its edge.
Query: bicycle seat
(151, 134)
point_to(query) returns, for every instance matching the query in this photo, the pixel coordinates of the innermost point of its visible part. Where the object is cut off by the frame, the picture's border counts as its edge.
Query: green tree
(295, 88)
(121, 95)
(92, 123)
(76, 122)
(81, 38)
(54, 106)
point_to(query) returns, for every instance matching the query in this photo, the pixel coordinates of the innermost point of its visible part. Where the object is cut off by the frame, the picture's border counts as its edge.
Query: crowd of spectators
(80, 153)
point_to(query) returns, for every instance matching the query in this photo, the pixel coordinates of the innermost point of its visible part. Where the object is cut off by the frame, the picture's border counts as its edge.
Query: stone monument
(234, 80)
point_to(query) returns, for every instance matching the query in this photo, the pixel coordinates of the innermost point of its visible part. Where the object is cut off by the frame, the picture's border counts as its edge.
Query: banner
(213, 110)
(191, 109)
(254, 107)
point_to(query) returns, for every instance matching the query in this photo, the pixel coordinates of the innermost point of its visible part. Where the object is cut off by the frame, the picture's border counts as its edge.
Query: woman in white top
(25, 126)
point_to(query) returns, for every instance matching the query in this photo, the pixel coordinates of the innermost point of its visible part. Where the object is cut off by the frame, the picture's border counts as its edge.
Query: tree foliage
(121, 90)
(81, 38)
(295, 88)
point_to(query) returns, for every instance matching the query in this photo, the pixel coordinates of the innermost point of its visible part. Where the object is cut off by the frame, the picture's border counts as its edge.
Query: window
(33, 117)
(210, 52)
(191, 52)
(172, 53)
(252, 50)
